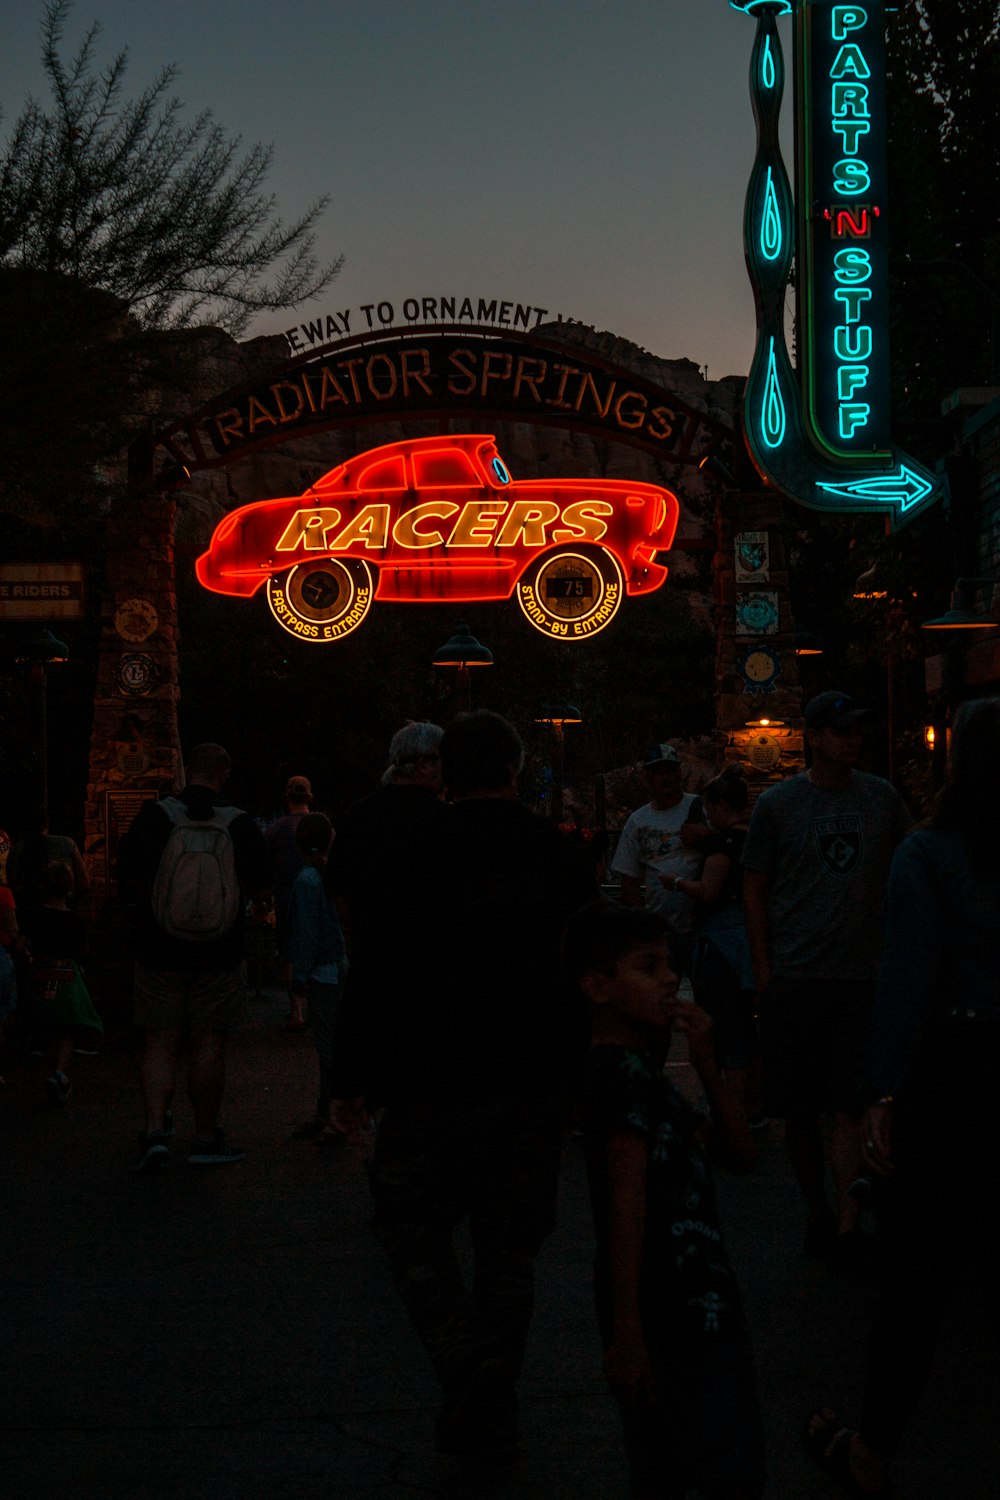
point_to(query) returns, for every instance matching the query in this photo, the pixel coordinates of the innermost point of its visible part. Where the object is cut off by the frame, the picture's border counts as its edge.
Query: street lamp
(463, 651)
(961, 615)
(558, 715)
(38, 652)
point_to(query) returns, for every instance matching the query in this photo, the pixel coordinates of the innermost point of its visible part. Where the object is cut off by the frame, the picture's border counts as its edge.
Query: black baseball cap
(662, 754)
(834, 710)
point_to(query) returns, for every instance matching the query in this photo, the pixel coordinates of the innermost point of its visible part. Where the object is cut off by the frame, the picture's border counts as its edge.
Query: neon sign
(440, 518)
(820, 431)
(844, 243)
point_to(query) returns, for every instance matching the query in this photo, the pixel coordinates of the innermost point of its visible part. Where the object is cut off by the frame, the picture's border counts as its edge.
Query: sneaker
(154, 1152)
(58, 1088)
(214, 1153)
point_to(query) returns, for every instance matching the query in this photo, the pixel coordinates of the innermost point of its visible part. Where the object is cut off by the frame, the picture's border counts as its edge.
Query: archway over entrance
(444, 372)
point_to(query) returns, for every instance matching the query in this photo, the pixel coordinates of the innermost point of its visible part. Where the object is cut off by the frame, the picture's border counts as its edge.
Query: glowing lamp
(961, 615)
(42, 649)
(930, 736)
(463, 650)
(764, 723)
(807, 644)
(558, 714)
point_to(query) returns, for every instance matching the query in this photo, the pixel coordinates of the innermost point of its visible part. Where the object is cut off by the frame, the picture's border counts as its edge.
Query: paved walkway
(233, 1333)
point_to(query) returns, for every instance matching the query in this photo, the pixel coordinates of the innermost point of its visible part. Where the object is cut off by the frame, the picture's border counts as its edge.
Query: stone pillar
(135, 749)
(767, 753)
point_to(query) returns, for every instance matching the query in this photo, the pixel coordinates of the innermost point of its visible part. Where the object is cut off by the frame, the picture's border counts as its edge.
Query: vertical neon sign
(819, 431)
(843, 226)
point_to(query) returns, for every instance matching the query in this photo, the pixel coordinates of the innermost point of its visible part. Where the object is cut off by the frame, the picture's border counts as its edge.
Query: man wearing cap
(287, 861)
(654, 844)
(816, 862)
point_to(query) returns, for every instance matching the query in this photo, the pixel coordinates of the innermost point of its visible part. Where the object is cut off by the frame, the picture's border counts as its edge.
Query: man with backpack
(185, 868)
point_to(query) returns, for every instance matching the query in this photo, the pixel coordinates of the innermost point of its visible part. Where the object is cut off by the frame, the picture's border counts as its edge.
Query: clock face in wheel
(323, 600)
(571, 593)
(570, 586)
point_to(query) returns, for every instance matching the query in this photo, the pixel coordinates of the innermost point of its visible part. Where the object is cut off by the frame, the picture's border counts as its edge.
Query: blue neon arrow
(903, 487)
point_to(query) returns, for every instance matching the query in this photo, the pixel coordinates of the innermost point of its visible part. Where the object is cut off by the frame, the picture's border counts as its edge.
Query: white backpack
(196, 893)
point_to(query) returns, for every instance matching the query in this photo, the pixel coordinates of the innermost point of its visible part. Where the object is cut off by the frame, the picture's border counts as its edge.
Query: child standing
(62, 1001)
(676, 1349)
(318, 964)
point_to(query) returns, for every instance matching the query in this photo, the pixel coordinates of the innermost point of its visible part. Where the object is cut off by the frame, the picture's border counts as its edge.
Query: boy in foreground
(676, 1349)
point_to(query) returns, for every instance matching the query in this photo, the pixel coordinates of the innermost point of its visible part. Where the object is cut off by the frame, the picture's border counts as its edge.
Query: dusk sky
(582, 156)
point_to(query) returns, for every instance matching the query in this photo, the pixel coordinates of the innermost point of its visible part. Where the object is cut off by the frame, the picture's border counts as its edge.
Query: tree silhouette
(122, 226)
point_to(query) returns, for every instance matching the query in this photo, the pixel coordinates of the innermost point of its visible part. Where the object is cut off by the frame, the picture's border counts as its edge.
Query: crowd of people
(471, 995)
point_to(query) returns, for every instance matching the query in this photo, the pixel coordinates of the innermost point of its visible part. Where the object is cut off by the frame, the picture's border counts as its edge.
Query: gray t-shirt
(826, 854)
(651, 846)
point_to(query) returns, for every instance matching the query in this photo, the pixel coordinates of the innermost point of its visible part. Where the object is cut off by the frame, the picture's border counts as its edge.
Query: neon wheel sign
(572, 593)
(331, 597)
(440, 518)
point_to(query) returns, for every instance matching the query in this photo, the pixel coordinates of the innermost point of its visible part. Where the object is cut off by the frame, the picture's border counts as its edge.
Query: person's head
(481, 754)
(662, 766)
(57, 880)
(725, 798)
(298, 794)
(975, 747)
(617, 956)
(968, 803)
(208, 765)
(833, 729)
(314, 835)
(415, 756)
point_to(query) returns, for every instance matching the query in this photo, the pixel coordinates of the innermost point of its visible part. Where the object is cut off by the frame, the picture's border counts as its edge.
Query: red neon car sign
(441, 519)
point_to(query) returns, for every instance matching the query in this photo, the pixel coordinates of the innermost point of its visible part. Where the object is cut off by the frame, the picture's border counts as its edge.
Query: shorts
(813, 1034)
(214, 999)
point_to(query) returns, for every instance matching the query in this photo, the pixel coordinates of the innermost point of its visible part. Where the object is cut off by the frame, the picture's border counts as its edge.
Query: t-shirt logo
(840, 842)
(655, 844)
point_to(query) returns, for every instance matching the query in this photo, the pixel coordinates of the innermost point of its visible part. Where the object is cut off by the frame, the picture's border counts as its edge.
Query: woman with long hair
(930, 1128)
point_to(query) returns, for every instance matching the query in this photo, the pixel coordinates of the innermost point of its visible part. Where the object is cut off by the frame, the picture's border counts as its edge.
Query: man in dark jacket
(190, 983)
(478, 1038)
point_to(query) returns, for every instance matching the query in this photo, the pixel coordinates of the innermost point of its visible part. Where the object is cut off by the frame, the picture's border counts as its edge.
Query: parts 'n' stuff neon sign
(440, 518)
(843, 230)
(821, 431)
